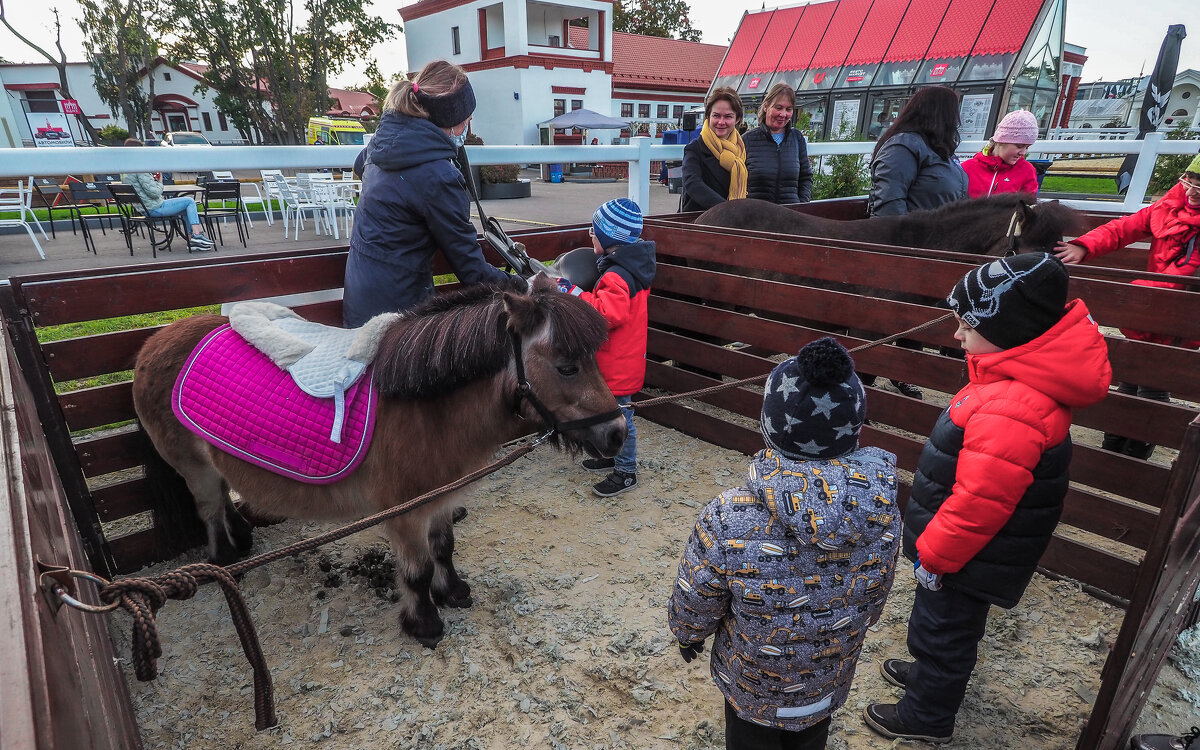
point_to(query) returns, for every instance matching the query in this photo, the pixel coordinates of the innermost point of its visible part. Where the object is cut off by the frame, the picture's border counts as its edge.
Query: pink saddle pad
(237, 399)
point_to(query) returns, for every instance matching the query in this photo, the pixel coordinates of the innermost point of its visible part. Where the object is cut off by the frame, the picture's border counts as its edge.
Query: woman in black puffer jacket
(776, 154)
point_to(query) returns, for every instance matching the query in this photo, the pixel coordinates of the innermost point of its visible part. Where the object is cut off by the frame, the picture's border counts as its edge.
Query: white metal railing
(21, 163)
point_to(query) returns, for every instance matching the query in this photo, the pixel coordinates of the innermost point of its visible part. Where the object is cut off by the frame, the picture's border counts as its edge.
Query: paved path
(551, 204)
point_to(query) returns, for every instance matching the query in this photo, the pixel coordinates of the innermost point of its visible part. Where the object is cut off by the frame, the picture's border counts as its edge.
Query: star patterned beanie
(814, 404)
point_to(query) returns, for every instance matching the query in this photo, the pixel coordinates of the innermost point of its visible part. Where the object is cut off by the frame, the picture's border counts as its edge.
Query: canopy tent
(587, 120)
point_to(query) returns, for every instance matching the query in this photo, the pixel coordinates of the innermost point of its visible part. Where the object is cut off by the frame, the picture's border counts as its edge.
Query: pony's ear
(524, 312)
(541, 282)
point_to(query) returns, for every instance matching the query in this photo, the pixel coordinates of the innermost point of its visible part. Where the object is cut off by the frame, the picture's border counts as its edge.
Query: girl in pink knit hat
(1001, 166)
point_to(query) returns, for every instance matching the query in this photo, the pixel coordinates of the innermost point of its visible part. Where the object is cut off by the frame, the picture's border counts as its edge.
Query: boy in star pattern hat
(789, 570)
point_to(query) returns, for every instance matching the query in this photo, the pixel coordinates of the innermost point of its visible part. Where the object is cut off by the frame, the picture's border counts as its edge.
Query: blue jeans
(172, 206)
(626, 461)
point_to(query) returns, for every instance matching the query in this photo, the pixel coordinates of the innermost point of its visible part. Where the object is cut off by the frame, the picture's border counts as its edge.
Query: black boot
(1166, 741)
(1138, 449)
(1114, 443)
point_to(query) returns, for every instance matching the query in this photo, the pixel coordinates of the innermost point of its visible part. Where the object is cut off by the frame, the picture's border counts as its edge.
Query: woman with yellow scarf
(714, 165)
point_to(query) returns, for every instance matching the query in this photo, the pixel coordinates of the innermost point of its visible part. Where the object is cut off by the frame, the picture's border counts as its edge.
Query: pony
(983, 226)
(456, 378)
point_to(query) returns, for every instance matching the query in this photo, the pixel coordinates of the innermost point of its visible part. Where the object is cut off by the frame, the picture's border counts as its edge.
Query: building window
(455, 44)
(560, 107)
(643, 110)
(662, 111)
(677, 112)
(576, 104)
(41, 101)
(166, 76)
(207, 120)
(221, 120)
(626, 109)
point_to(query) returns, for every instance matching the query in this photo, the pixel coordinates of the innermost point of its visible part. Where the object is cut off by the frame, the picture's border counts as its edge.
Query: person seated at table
(150, 191)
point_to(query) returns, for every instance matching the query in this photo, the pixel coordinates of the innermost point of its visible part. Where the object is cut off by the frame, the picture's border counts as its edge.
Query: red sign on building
(939, 70)
(754, 83)
(70, 107)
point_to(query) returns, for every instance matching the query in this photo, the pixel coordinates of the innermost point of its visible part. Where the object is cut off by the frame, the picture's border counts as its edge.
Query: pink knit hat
(1018, 127)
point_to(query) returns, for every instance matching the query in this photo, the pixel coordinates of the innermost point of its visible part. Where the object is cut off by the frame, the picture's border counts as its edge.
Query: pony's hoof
(459, 514)
(430, 643)
(458, 597)
(427, 632)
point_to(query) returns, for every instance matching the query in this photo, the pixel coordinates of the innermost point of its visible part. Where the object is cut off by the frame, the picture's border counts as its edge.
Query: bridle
(1014, 230)
(525, 393)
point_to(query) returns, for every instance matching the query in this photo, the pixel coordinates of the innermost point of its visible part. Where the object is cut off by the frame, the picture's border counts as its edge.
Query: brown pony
(448, 384)
(979, 225)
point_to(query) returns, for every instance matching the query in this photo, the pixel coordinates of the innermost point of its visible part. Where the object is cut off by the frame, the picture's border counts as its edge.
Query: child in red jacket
(1172, 224)
(626, 266)
(990, 481)
(1001, 166)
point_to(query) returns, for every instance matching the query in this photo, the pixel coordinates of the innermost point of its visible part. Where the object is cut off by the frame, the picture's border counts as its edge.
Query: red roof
(1007, 27)
(877, 31)
(916, 30)
(961, 27)
(651, 61)
(775, 40)
(840, 36)
(745, 43)
(352, 102)
(800, 50)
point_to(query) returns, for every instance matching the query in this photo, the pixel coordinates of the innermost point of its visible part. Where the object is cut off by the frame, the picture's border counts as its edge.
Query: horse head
(555, 337)
(1036, 227)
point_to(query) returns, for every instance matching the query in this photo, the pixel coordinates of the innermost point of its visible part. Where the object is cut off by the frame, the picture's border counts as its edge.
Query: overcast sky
(1122, 37)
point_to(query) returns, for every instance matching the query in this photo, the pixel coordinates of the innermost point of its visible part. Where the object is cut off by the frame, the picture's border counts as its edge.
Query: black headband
(448, 110)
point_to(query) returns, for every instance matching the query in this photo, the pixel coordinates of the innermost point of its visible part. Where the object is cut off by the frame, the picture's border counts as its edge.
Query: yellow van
(334, 131)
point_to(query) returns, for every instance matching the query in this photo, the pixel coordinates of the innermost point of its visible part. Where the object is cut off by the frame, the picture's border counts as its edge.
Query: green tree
(119, 36)
(270, 73)
(1168, 168)
(840, 175)
(667, 18)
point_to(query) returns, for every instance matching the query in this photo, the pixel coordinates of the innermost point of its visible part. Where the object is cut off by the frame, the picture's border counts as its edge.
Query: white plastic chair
(228, 175)
(295, 203)
(19, 200)
(330, 196)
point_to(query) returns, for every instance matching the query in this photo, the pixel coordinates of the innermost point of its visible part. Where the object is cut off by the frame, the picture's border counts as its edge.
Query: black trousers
(944, 631)
(746, 735)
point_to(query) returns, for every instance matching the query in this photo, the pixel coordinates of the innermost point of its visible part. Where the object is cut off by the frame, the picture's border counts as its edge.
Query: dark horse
(981, 226)
(447, 379)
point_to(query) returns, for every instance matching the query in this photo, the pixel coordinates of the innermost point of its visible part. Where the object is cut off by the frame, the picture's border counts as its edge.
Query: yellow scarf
(731, 152)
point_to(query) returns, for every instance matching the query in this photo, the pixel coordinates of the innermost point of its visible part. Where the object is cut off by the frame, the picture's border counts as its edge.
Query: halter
(1014, 231)
(525, 392)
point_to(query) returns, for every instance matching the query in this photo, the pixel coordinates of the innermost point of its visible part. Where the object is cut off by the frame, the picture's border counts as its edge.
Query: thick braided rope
(760, 378)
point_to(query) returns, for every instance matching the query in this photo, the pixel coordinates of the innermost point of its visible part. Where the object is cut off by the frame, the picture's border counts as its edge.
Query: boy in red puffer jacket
(626, 266)
(1001, 166)
(1172, 224)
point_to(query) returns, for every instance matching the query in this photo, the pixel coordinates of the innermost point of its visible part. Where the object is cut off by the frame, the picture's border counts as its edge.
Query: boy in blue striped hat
(626, 267)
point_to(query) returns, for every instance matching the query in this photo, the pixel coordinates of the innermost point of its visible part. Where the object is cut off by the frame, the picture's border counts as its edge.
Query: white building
(1103, 102)
(35, 89)
(528, 63)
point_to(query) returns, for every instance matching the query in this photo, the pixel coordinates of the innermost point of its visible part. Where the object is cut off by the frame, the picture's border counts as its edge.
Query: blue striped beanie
(618, 222)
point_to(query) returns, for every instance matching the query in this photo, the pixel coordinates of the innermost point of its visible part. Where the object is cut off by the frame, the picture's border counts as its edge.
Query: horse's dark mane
(456, 338)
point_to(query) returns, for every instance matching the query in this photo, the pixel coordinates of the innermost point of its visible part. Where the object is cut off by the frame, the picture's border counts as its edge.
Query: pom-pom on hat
(618, 222)
(1019, 127)
(1014, 300)
(814, 405)
(450, 109)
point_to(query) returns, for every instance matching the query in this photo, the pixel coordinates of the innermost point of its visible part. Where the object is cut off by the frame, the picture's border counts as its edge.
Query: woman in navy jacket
(414, 200)
(776, 154)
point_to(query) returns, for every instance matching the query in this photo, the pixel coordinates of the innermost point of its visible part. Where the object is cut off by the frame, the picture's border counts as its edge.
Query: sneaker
(1189, 741)
(1114, 443)
(908, 389)
(615, 483)
(199, 240)
(895, 671)
(599, 464)
(882, 718)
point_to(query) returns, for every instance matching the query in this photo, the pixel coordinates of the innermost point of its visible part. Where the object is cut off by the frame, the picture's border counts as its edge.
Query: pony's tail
(171, 504)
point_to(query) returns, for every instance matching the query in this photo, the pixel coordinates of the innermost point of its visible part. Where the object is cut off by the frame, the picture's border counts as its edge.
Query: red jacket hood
(1068, 363)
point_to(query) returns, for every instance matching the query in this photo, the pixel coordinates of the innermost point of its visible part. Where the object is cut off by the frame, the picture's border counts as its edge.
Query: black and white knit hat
(1014, 300)
(813, 404)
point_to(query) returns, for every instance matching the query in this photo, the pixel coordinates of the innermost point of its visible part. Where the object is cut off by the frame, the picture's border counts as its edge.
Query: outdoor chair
(134, 217)
(334, 203)
(18, 200)
(295, 204)
(268, 191)
(227, 176)
(57, 199)
(94, 195)
(217, 194)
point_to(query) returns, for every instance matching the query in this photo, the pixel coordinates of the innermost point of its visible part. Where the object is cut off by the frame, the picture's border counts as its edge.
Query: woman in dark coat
(776, 154)
(414, 200)
(914, 167)
(714, 165)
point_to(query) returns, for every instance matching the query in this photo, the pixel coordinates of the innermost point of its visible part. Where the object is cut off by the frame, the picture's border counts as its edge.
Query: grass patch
(1082, 185)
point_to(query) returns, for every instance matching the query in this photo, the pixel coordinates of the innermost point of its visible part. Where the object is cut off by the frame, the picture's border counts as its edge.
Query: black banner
(1158, 91)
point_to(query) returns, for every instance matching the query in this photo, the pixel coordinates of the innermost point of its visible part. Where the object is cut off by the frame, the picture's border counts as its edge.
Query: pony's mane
(1051, 219)
(456, 338)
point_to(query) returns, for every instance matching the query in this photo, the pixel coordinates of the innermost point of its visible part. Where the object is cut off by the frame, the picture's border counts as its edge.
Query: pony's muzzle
(606, 438)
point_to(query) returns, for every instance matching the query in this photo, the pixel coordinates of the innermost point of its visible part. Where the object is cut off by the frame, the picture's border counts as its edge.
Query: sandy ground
(566, 645)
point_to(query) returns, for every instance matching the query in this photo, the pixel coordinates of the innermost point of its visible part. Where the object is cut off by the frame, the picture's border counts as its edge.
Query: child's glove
(690, 651)
(566, 287)
(931, 581)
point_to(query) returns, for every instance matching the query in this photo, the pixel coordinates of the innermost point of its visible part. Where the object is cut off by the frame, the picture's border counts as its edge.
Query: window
(221, 119)
(207, 121)
(166, 76)
(626, 109)
(576, 104)
(662, 112)
(560, 107)
(455, 44)
(41, 101)
(643, 110)
(677, 112)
